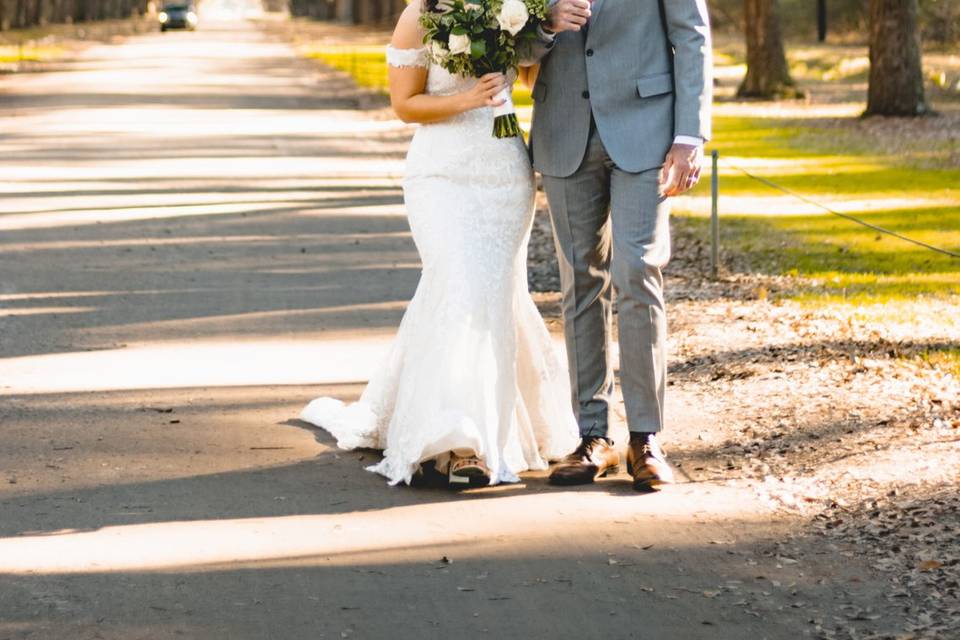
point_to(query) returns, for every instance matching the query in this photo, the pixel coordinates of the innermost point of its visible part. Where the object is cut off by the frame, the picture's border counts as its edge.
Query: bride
(472, 382)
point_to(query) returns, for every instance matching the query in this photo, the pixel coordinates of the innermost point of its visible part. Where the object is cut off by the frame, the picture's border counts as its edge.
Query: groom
(622, 109)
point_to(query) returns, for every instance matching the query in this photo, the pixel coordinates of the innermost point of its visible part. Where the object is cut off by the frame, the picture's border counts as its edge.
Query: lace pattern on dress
(407, 57)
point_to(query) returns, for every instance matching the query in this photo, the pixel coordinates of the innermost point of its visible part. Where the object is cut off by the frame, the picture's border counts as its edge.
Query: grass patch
(29, 53)
(837, 260)
(367, 65)
(947, 359)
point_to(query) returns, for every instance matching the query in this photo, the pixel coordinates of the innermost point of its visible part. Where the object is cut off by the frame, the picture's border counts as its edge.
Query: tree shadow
(710, 366)
(148, 274)
(317, 483)
(646, 566)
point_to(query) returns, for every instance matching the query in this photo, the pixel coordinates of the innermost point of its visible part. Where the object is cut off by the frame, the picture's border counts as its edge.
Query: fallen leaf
(929, 565)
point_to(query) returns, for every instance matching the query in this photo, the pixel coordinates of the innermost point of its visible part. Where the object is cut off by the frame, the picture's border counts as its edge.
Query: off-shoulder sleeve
(407, 57)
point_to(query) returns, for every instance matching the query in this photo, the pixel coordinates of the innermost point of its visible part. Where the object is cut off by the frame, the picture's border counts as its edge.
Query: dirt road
(199, 233)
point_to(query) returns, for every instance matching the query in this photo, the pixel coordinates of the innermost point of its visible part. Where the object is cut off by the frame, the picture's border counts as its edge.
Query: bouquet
(477, 37)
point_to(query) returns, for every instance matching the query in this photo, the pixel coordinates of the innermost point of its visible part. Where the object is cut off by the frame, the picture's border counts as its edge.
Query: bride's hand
(483, 92)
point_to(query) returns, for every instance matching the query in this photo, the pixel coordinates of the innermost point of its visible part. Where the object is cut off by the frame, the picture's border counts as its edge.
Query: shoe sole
(469, 478)
(651, 483)
(563, 482)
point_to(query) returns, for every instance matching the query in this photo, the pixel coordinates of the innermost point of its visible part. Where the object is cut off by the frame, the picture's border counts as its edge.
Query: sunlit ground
(161, 366)
(225, 10)
(415, 533)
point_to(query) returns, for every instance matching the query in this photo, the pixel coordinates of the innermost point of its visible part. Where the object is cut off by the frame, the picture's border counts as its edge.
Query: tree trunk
(81, 11)
(21, 18)
(896, 72)
(768, 75)
(40, 12)
(345, 10)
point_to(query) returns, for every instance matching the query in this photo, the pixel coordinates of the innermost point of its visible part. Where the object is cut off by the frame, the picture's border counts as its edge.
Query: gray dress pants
(611, 225)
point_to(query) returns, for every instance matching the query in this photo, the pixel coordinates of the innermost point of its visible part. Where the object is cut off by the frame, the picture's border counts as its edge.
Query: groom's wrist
(544, 30)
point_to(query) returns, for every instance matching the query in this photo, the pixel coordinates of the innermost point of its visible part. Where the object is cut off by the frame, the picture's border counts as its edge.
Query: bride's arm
(407, 84)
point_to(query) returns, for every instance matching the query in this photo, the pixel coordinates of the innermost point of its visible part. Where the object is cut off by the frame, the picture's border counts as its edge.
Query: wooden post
(715, 217)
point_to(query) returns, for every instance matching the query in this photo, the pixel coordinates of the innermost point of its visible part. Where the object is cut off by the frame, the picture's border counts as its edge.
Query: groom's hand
(681, 169)
(568, 15)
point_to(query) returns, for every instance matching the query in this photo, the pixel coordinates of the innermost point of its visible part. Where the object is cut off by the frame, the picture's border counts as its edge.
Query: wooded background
(894, 30)
(19, 14)
(356, 11)
(939, 20)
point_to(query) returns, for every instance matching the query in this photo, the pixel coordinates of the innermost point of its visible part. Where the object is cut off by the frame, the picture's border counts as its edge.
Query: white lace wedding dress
(473, 368)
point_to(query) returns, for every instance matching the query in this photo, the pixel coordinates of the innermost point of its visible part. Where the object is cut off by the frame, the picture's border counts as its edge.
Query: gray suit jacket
(643, 69)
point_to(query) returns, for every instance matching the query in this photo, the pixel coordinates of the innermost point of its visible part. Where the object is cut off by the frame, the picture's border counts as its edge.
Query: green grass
(366, 64)
(29, 53)
(837, 260)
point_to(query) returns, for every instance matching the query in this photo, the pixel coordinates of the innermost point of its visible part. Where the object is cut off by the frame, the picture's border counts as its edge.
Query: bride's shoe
(467, 471)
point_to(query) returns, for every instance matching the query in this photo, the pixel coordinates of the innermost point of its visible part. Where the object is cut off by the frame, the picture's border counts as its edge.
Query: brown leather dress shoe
(594, 458)
(647, 463)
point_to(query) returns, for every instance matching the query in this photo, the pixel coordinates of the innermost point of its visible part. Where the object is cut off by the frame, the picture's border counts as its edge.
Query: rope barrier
(845, 216)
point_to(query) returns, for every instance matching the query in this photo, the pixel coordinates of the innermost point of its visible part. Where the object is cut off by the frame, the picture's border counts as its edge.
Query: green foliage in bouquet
(483, 36)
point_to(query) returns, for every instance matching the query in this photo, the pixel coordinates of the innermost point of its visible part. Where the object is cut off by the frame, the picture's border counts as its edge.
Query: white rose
(459, 44)
(437, 50)
(513, 16)
(473, 6)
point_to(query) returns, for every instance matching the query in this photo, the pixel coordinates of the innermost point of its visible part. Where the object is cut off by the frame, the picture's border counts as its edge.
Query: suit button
(586, 95)
(589, 52)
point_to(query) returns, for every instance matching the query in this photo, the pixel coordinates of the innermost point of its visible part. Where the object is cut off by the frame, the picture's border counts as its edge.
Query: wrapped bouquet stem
(484, 36)
(505, 123)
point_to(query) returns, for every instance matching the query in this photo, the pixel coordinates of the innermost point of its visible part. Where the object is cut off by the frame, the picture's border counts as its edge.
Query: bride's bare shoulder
(408, 34)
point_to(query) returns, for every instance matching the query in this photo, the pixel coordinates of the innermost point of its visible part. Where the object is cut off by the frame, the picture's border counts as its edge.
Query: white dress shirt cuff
(544, 36)
(691, 140)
